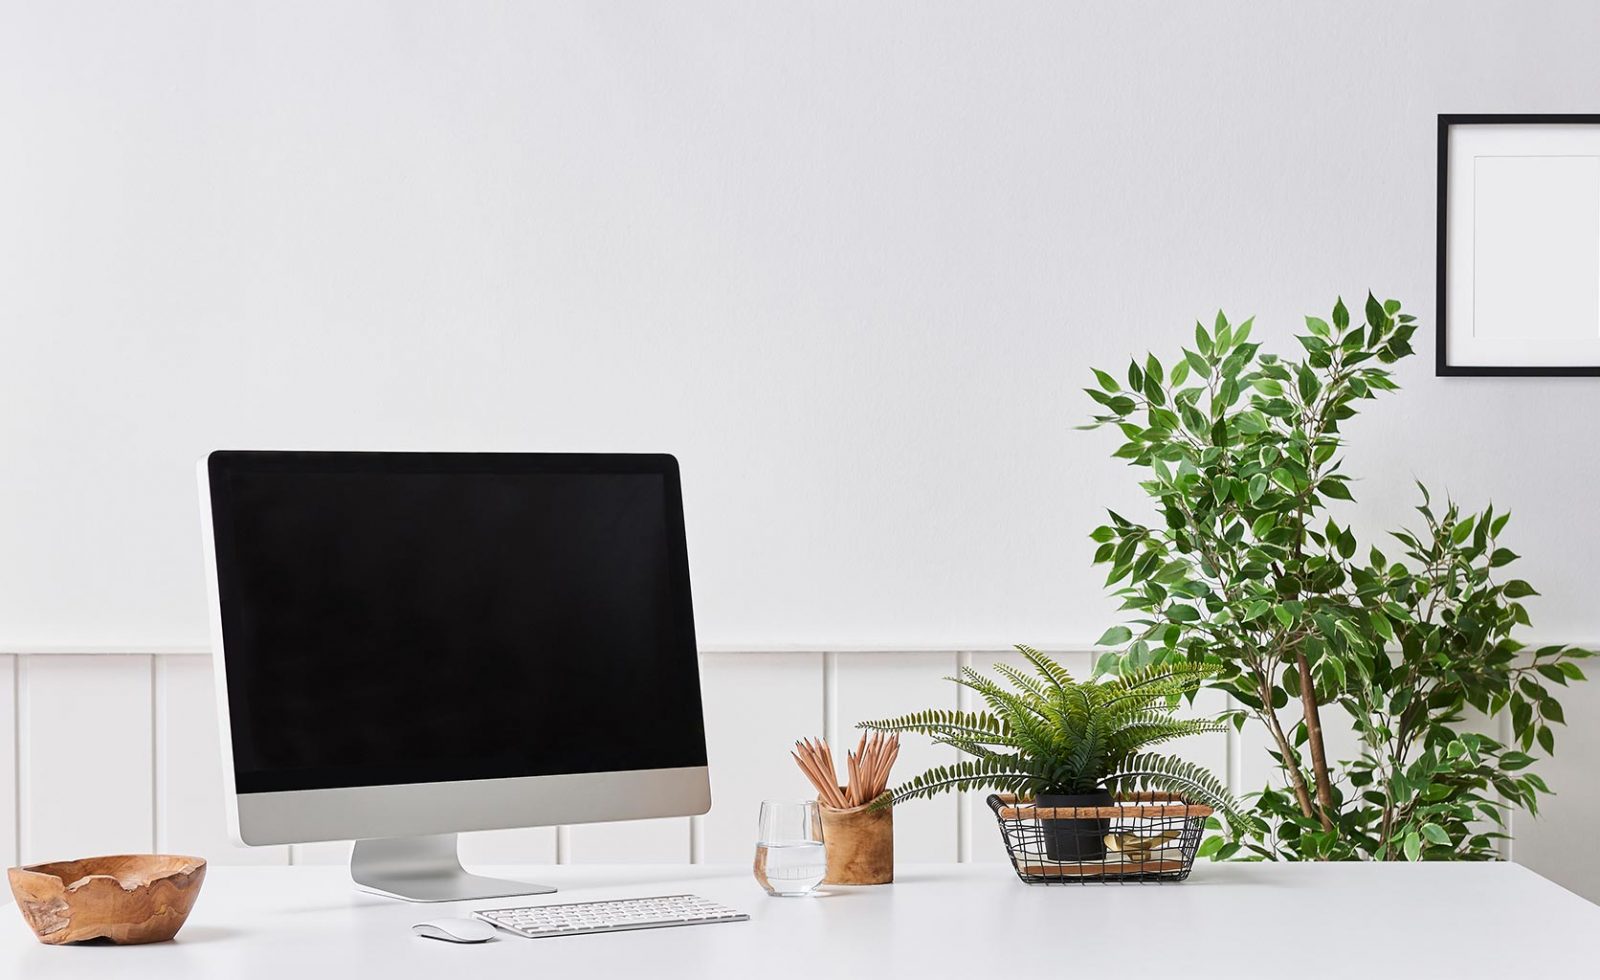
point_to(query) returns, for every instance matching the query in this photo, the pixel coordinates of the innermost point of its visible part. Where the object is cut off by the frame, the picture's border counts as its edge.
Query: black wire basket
(1140, 837)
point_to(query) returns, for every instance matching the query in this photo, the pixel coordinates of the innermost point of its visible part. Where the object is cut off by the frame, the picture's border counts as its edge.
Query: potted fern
(1066, 743)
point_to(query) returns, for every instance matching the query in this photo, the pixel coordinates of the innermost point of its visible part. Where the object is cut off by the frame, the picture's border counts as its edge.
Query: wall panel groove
(10, 800)
(158, 775)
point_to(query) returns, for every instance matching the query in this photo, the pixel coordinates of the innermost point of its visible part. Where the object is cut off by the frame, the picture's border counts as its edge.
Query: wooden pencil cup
(859, 843)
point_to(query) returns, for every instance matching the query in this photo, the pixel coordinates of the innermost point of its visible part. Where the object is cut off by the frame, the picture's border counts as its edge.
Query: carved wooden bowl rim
(131, 871)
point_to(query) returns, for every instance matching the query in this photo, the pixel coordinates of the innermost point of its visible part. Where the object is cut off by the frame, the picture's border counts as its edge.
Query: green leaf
(1413, 846)
(1318, 327)
(1115, 636)
(1201, 340)
(1152, 371)
(1435, 835)
(1308, 386)
(1374, 310)
(1502, 556)
(1334, 489)
(1258, 486)
(1341, 316)
(1347, 543)
(1219, 433)
(1179, 613)
(1518, 589)
(1106, 381)
(1331, 673)
(1242, 332)
(1381, 626)
(1553, 673)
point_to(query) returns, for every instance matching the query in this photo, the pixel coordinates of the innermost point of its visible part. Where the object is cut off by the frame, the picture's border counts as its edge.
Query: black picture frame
(1442, 367)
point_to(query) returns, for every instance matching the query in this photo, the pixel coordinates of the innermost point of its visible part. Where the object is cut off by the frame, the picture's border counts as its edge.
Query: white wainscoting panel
(8, 760)
(320, 852)
(107, 752)
(190, 815)
(521, 845)
(86, 763)
(665, 841)
(868, 686)
(756, 705)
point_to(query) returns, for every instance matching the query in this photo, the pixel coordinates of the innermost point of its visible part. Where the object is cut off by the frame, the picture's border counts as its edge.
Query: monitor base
(426, 869)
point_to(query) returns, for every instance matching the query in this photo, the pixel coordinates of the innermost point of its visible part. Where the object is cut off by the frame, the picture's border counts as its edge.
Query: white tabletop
(1227, 920)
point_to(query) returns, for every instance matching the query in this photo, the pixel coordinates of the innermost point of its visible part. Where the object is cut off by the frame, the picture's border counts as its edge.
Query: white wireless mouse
(455, 930)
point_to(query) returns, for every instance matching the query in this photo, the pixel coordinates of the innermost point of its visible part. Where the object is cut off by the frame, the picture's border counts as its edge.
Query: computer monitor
(409, 645)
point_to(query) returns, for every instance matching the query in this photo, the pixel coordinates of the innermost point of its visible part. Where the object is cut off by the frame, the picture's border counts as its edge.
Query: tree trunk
(1319, 755)
(1291, 763)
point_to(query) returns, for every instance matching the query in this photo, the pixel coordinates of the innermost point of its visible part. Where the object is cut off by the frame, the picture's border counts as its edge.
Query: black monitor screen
(417, 617)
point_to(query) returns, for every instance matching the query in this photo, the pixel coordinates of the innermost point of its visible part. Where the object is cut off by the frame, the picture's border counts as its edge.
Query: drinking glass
(790, 859)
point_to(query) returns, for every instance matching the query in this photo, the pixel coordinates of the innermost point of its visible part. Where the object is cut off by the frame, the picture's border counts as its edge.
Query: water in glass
(790, 859)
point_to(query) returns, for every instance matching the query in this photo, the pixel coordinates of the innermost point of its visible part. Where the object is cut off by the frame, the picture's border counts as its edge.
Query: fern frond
(1054, 673)
(1024, 717)
(980, 726)
(1175, 775)
(1136, 737)
(1021, 680)
(965, 775)
(1178, 675)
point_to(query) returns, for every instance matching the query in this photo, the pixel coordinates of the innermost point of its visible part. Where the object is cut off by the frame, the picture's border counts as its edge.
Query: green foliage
(1047, 733)
(1245, 574)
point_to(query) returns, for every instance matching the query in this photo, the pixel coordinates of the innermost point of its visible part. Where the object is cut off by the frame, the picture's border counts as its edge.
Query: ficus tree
(1244, 569)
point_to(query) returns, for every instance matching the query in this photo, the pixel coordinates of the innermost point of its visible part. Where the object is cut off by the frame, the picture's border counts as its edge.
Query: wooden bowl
(126, 898)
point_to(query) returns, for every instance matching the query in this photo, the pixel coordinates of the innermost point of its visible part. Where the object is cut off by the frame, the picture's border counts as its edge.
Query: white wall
(850, 261)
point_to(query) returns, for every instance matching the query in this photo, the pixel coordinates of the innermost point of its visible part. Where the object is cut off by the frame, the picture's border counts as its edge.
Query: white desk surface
(1227, 920)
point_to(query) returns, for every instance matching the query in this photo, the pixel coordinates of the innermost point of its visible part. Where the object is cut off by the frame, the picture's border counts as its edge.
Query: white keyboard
(618, 915)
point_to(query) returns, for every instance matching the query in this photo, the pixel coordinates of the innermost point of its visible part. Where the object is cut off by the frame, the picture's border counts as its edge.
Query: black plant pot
(1075, 840)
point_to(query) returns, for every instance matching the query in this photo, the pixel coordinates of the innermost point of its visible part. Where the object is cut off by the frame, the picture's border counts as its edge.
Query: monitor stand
(426, 869)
